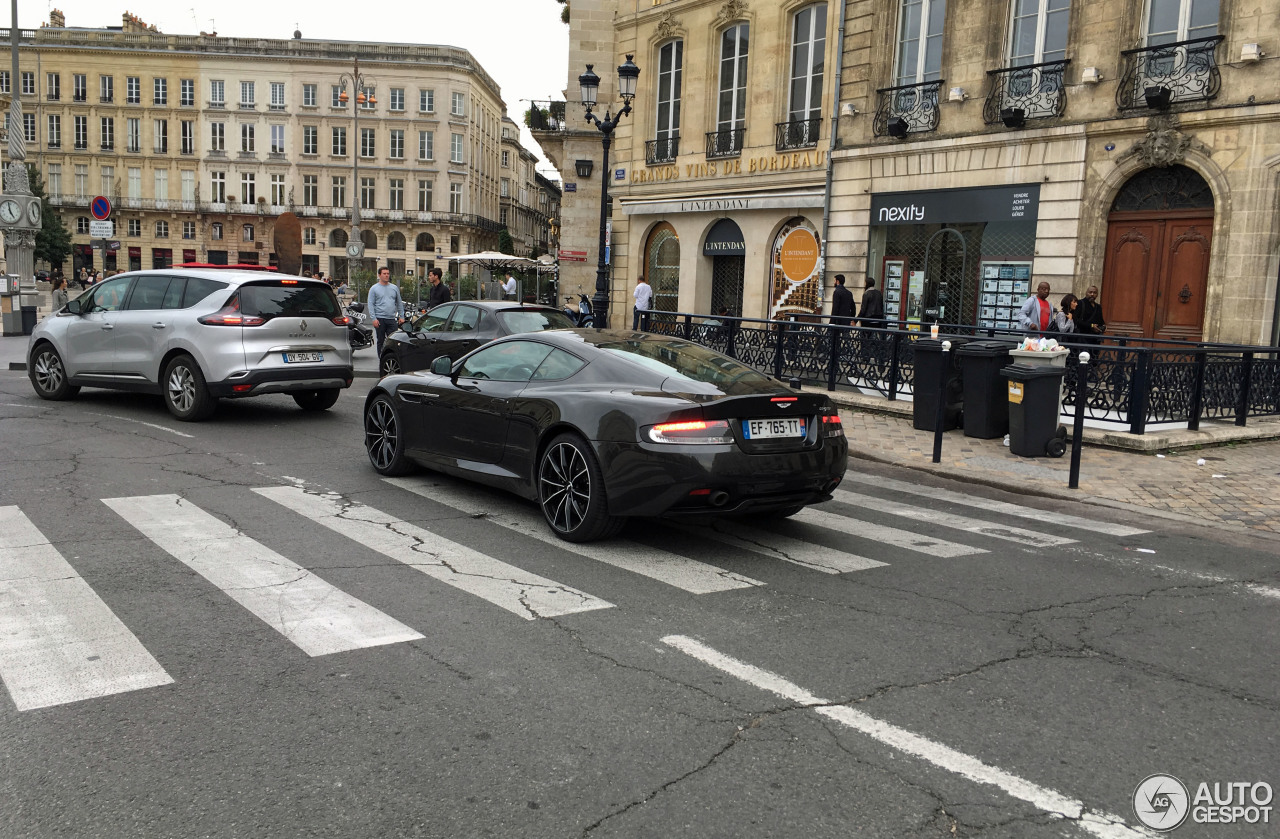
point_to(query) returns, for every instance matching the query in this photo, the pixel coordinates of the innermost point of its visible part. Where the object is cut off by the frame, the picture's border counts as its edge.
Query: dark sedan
(598, 426)
(455, 329)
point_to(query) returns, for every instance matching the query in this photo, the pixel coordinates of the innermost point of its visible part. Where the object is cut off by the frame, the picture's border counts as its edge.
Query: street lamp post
(589, 82)
(357, 81)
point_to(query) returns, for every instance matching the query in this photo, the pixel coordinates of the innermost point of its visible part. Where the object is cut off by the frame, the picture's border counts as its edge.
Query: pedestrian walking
(842, 307)
(1090, 323)
(59, 293)
(1037, 312)
(644, 300)
(385, 306)
(872, 305)
(439, 291)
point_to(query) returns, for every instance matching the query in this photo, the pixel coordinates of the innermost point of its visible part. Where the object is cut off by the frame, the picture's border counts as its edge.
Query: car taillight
(341, 320)
(832, 426)
(701, 432)
(230, 315)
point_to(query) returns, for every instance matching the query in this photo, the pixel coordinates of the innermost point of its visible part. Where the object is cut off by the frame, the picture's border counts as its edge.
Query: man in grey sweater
(385, 306)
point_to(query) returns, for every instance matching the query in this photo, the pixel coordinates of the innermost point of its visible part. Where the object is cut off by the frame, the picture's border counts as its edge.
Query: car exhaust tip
(718, 498)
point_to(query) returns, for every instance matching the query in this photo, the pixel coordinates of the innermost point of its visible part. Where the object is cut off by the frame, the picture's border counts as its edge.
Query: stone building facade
(203, 141)
(980, 147)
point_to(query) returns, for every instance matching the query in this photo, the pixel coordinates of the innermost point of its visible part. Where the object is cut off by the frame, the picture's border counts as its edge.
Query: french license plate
(768, 429)
(302, 357)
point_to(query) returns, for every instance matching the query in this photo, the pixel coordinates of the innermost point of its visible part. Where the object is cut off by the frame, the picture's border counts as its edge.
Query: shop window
(662, 267)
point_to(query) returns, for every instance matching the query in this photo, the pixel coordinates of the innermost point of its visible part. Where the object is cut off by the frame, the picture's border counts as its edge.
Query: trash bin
(928, 383)
(1034, 410)
(986, 394)
(28, 319)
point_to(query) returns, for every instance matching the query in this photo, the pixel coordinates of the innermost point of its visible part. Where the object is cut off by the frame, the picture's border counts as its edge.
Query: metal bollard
(942, 406)
(1082, 397)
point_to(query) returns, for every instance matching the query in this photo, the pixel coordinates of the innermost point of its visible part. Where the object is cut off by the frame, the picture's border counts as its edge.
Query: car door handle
(158, 325)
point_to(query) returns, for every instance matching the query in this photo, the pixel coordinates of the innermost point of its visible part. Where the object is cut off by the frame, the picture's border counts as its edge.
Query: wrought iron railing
(1017, 94)
(1187, 70)
(727, 143)
(907, 109)
(661, 151)
(1133, 382)
(797, 134)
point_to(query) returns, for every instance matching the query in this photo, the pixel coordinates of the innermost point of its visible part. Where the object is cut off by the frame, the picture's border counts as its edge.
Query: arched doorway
(662, 267)
(727, 249)
(1157, 261)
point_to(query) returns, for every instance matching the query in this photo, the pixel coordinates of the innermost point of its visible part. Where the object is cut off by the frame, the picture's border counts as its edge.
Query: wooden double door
(1156, 273)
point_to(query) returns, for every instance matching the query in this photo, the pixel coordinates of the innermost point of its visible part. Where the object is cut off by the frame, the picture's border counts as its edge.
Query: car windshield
(533, 320)
(681, 360)
(288, 299)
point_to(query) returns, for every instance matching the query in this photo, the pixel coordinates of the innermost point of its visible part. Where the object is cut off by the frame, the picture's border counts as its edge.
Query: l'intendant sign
(957, 206)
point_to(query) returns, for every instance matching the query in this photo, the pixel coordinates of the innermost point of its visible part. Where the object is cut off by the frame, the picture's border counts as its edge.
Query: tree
(564, 13)
(505, 243)
(53, 240)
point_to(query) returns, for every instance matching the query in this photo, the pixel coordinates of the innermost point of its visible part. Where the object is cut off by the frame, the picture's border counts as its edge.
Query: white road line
(519, 592)
(147, 424)
(316, 616)
(59, 642)
(672, 569)
(1047, 800)
(1265, 591)
(1031, 538)
(805, 554)
(882, 533)
(1002, 507)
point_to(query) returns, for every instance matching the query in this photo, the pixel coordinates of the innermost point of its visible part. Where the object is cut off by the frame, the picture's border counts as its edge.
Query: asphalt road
(905, 661)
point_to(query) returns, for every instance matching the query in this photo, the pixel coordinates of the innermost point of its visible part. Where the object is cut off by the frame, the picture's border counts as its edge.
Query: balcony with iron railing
(1033, 91)
(797, 134)
(726, 143)
(661, 151)
(907, 109)
(546, 116)
(1160, 76)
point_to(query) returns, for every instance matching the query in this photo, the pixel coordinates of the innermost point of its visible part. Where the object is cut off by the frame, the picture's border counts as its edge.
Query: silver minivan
(194, 336)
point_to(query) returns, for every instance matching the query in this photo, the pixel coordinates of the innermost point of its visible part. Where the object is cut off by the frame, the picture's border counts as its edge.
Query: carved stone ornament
(1163, 146)
(668, 25)
(19, 238)
(731, 10)
(15, 179)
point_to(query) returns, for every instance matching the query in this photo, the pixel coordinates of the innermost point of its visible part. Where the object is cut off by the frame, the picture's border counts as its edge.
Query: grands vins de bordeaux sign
(729, 168)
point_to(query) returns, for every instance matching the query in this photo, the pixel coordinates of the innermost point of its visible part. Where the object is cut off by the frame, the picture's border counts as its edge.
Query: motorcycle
(359, 336)
(579, 313)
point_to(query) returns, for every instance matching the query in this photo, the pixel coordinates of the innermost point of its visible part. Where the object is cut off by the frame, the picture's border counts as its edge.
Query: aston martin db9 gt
(455, 329)
(599, 426)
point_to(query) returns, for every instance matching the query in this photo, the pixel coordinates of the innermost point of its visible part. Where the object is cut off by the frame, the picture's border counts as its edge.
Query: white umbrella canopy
(495, 261)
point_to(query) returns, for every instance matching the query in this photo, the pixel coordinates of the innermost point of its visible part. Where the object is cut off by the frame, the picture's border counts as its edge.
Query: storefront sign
(725, 239)
(798, 256)
(573, 256)
(729, 168)
(957, 206)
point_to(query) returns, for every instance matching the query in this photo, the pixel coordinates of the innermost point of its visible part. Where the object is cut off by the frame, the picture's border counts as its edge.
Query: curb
(1067, 495)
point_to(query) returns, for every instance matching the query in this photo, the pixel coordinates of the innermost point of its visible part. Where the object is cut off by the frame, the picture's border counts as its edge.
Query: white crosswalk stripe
(315, 616)
(519, 592)
(1004, 508)
(883, 533)
(805, 554)
(672, 569)
(59, 642)
(993, 530)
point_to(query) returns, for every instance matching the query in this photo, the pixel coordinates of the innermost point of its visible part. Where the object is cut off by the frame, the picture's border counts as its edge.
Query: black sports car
(455, 329)
(601, 425)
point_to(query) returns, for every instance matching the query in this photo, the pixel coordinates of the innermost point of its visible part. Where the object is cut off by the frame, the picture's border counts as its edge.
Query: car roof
(231, 276)
(505, 305)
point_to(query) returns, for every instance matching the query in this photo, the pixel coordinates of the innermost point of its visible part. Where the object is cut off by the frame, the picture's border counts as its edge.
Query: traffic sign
(102, 229)
(100, 208)
(113, 245)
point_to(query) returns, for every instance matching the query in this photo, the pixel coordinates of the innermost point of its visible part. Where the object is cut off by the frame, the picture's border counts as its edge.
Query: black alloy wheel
(49, 376)
(383, 439)
(571, 492)
(390, 365)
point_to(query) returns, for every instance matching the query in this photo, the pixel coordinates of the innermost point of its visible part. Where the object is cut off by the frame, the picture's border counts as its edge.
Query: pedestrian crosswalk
(60, 641)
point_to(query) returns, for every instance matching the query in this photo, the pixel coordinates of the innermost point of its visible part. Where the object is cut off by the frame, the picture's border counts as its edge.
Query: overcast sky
(521, 43)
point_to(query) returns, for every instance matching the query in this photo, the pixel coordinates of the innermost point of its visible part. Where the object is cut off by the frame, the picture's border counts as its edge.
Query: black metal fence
(1132, 381)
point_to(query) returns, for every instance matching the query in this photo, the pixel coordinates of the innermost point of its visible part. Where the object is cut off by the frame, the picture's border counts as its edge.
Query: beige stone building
(202, 141)
(980, 146)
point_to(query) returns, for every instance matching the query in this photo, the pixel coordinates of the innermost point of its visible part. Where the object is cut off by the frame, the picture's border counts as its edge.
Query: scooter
(359, 336)
(580, 313)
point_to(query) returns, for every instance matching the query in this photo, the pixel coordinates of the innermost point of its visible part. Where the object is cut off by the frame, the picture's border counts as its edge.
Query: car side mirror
(73, 306)
(442, 365)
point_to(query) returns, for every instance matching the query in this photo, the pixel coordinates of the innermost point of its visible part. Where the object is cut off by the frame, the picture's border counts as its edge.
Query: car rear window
(294, 299)
(533, 320)
(683, 360)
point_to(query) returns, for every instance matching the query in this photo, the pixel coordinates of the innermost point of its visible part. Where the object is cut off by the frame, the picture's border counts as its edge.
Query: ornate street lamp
(358, 82)
(589, 83)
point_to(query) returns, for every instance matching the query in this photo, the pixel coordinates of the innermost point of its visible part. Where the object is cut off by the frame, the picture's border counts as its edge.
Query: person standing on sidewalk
(59, 293)
(1064, 318)
(1089, 320)
(1036, 312)
(385, 306)
(439, 291)
(842, 308)
(644, 300)
(873, 305)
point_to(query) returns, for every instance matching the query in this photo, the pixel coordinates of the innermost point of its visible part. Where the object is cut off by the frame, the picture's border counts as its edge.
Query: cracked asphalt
(1082, 668)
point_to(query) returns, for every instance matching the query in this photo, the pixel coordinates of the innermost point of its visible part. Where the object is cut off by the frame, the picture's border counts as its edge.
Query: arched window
(662, 267)
(370, 240)
(337, 238)
(425, 242)
(1164, 188)
(395, 242)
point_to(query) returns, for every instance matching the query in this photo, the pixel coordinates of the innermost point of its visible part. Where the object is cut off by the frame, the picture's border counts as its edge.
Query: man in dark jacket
(439, 291)
(1089, 320)
(873, 305)
(842, 310)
